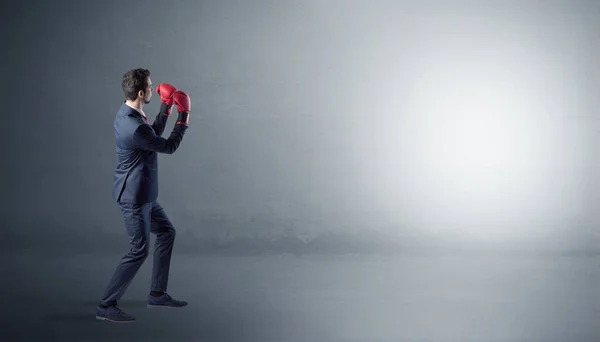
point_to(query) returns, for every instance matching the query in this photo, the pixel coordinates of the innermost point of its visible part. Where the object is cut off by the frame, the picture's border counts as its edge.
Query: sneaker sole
(113, 321)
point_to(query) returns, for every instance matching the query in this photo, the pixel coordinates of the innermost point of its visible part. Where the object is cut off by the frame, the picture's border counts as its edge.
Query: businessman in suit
(135, 189)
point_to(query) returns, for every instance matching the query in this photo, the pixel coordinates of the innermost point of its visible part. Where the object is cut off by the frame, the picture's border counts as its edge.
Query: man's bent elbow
(171, 148)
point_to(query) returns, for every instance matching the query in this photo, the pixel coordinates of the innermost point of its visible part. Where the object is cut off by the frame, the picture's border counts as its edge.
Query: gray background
(318, 128)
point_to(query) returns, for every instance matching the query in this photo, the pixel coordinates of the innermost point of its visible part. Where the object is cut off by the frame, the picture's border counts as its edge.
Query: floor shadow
(125, 303)
(71, 317)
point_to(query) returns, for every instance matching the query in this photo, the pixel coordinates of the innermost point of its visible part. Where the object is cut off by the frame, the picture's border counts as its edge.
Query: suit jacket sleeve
(145, 138)
(161, 119)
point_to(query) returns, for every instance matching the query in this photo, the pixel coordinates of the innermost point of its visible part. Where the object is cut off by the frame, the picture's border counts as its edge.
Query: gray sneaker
(164, 301)
(113, 314)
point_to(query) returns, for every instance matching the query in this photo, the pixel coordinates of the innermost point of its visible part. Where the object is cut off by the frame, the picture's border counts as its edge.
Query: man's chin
(146, 101)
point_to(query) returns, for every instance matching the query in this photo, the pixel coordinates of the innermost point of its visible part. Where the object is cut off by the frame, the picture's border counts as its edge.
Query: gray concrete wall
(293, 103)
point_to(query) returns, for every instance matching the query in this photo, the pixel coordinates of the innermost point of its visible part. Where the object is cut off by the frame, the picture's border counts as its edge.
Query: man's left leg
(161, 226)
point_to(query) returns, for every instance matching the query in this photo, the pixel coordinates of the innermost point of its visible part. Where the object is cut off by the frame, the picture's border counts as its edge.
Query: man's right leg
(137, 222)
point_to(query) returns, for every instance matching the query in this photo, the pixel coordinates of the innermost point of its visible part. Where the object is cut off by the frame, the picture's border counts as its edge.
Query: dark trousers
(140, 221)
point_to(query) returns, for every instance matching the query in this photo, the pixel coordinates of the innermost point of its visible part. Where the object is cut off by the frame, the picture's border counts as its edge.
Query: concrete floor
(287, 298)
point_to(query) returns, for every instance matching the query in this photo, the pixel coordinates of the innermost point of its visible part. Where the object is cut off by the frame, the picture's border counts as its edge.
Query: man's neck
(135, 104)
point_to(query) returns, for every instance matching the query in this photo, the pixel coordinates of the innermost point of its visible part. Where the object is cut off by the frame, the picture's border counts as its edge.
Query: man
(136, 189)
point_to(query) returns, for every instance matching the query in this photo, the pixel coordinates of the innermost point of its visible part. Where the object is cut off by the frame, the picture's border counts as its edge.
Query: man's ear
(141, 94)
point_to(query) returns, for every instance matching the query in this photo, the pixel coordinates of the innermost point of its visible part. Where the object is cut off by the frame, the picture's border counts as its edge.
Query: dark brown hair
(134, 81)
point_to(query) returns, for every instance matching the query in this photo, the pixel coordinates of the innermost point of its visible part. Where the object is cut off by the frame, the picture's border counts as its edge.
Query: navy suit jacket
(138, 142)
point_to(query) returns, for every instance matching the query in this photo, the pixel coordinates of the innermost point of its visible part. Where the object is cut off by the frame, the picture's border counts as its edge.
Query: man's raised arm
(166, 92)
(145, 138)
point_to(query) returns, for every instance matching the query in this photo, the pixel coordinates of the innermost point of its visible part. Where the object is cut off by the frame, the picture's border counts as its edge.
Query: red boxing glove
(184, 104)
(166, 91)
